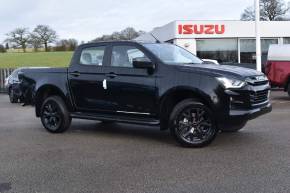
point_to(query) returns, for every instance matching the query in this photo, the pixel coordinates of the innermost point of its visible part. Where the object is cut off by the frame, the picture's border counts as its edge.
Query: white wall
(239, 29)
(189, 44)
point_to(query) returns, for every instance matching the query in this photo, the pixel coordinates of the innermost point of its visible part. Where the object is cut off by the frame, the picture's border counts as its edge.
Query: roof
(111, 41)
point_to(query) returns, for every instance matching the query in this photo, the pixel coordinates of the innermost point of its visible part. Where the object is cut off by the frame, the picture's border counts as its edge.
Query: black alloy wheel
(54, 115)
(193, 124)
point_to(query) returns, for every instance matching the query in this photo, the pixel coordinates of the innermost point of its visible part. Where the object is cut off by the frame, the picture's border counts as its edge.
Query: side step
(117, 118)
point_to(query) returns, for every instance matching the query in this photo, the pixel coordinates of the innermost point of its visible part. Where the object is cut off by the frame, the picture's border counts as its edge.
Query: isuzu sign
(201, 29)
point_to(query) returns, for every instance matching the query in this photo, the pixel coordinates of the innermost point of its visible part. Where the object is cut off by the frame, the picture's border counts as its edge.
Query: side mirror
(142, 63)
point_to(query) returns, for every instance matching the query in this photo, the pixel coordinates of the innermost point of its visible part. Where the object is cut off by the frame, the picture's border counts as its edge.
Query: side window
(122, 56)
(93, 56)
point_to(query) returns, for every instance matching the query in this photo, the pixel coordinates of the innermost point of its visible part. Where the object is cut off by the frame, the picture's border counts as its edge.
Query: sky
(85, 20)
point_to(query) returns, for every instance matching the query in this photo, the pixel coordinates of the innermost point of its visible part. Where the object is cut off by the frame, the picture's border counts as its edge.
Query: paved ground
(92, 157)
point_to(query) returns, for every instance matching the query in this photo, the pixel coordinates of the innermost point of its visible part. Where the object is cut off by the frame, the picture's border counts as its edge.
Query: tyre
(12, 97)
(54, 115)
(192, 124)
(233, 128)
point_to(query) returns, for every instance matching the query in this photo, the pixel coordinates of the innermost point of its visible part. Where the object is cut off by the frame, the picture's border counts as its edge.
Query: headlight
(231, 83)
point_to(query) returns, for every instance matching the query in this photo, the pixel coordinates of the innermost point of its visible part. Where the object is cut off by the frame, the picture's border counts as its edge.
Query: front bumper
(250, 114)
(245, 104)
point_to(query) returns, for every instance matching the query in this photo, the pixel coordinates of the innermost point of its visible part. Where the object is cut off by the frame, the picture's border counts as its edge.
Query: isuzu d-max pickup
(148, 83)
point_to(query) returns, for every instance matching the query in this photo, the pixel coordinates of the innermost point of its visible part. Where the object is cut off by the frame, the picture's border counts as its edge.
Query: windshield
(172, 54)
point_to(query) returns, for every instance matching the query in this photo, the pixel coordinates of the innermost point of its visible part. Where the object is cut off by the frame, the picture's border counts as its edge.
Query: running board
(117, 118)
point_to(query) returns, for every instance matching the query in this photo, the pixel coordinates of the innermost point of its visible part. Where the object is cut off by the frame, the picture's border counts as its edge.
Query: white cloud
(87, 19)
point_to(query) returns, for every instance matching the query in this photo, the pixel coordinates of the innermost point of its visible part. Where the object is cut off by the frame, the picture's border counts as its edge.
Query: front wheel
(192, 124)
(54, 115)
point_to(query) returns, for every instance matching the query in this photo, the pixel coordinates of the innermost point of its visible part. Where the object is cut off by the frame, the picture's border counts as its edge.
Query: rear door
(133, 91)
(86, 77)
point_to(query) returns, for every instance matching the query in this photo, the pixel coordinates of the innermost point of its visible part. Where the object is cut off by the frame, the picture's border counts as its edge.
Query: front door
(132, 90)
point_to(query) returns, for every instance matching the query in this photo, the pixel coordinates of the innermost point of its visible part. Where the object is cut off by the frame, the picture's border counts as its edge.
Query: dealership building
(225, 41)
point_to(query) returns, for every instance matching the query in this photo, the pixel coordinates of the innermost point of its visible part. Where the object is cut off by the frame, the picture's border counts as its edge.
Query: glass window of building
(248, 49)
(286, 40)
(222, 50)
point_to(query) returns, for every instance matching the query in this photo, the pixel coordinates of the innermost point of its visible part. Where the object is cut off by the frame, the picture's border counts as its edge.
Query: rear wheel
(54, 115)
(12, 96)
(192, 124)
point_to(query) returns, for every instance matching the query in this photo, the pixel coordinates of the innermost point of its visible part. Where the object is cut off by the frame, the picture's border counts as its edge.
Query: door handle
(111, 75)
(75, 73)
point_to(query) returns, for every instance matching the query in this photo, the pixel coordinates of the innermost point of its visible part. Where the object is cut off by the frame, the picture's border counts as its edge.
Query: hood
(221, 70)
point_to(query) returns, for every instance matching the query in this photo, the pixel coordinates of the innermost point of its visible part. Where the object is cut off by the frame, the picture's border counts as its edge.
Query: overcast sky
(87, 19)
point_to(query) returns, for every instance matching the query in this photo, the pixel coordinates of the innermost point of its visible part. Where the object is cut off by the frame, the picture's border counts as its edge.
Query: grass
(47, 59)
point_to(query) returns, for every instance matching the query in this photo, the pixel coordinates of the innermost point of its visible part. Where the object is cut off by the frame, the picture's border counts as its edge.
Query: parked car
(278, 66)
(151, 84)
(210, 61)
(12, 84)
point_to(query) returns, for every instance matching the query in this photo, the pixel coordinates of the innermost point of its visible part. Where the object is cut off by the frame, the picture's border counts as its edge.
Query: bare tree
(2, 49)
(127, 34)
(270, 10)
(35, 42)
(45, 35)
(248, 14)
(72, 44)
(19, 37)
(66, 45)
(274, 9)
(7, 46)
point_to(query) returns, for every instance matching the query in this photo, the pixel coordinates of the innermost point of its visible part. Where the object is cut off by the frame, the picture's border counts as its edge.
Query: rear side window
(122, 56)
(93, 56)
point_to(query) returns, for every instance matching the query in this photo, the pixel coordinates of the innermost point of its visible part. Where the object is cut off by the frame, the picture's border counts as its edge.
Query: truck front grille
(257, 80)
(258, 83)
(259, 97)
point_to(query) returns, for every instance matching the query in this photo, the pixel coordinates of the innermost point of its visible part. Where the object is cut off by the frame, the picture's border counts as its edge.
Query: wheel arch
(45, 91)
(175, 95)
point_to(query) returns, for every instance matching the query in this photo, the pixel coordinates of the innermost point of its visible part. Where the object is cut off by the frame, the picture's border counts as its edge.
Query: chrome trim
(133, 112)
(256, 79)
(262, 103)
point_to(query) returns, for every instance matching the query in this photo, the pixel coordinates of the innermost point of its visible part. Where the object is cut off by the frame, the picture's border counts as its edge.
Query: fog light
(236, 101)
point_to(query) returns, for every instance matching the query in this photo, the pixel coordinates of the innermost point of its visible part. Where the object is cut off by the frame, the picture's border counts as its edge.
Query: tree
(35, 42)
(2, 49)
(248, 14)
(45, 35)
(19, 37)
(66, 45)
(127, 34)
(72, 44)
(270, 10)
(7, 46)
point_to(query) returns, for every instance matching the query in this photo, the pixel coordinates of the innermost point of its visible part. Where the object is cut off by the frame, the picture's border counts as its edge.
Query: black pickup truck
(148, 83)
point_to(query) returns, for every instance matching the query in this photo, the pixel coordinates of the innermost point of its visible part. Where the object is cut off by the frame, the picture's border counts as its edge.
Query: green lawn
(48, 59)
